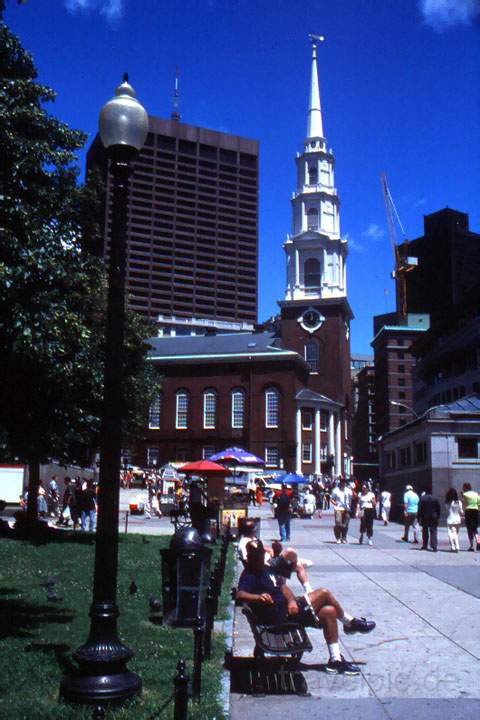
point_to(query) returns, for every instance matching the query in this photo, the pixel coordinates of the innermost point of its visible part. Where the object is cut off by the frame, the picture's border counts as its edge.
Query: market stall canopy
(204, 467)
(169, 472)
(291, 479)
(237, 455)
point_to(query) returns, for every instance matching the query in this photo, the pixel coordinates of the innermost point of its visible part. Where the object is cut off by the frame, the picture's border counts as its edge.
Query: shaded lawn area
(37, 637)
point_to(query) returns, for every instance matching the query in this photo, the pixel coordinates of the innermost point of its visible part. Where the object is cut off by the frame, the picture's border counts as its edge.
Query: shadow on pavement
(266, 676)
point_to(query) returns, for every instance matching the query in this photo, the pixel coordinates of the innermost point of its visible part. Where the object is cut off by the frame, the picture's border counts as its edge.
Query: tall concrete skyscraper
(192, 227)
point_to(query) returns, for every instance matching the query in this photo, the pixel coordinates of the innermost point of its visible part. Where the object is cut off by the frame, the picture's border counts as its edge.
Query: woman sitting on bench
(273, 603)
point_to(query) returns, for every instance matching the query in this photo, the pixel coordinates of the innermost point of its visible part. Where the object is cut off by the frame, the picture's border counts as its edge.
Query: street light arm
(407, 407)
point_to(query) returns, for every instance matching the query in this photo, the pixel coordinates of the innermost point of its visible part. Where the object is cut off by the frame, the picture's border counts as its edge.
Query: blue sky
(400, 92)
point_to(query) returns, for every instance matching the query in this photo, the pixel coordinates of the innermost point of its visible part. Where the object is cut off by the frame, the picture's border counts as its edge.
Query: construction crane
(403, 262)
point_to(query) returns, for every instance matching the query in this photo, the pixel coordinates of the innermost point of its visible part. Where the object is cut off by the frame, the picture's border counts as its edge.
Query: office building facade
(192, 258)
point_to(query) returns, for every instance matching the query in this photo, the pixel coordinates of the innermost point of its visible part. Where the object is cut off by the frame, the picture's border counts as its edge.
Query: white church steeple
(315, 122)
(315, 251)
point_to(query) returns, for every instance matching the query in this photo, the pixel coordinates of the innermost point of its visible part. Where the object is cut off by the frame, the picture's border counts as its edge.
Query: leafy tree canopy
(52, 291)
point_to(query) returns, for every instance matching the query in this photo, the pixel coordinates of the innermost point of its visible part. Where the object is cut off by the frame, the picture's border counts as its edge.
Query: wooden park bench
(279, 640)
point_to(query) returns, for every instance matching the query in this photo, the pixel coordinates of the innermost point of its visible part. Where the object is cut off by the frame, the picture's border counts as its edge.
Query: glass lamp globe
(123, 120)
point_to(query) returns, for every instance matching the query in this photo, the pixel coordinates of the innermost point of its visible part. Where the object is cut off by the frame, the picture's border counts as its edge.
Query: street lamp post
(103, 676)
(407, 407)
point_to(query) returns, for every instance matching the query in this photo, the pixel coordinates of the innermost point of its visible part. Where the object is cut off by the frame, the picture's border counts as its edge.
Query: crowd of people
(76, 507)
(367, 502)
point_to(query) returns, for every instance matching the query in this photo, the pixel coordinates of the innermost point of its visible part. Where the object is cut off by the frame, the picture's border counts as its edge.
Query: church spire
(315, 122)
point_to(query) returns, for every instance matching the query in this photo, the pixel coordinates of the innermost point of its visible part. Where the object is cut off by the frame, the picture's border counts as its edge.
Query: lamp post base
(106, 688)
(102, 677)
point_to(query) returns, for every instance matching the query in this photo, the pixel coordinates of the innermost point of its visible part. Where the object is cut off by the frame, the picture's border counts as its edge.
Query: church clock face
(311, 319)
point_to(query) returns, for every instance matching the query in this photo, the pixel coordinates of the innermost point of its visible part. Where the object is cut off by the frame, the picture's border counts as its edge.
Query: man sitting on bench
(273, 603)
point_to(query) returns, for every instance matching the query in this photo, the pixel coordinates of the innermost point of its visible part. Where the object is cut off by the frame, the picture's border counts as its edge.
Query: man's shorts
(306, 617)
(411, 519)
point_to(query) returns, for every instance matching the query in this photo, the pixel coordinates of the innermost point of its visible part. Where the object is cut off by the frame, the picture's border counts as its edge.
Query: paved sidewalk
(422, 660)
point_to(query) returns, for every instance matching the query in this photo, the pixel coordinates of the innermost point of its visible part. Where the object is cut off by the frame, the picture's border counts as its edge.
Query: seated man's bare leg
(321, 598)
(327, 618)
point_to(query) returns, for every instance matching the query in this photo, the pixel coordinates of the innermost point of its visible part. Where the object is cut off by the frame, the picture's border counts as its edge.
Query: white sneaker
(338, 542)
(370, 542)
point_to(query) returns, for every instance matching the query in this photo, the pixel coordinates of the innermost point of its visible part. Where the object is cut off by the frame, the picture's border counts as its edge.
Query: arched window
(312, 219)
(272, 408)
(181, 411)
(238, 408)
(312, 174)
(312, 355)
(155, 412)
(209, 409)
(311, 273)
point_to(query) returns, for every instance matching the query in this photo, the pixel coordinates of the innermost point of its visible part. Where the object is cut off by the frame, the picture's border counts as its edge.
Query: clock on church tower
(311, 319)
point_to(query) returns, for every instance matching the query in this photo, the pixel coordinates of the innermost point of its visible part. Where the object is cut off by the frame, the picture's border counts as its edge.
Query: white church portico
(323, 432)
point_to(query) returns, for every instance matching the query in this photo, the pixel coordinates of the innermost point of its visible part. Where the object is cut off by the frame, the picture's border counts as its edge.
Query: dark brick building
(241, 389)
(364, 433)
(192, 224)
(445, 284)
(394, 364)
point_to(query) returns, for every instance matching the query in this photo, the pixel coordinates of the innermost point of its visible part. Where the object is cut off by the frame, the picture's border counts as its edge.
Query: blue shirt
(265, 583)
(411, 500)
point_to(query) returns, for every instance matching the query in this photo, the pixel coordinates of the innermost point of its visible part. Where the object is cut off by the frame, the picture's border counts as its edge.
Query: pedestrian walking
(327, 495)
(260, 486)
(410, 504)
(318, 489)
(53, 497)
(366, 512)
(88, 505)
(42, 506)
(65, 515)
(252, 489)
(454, 518)
(341, 498)
(386, 502)
(75, 501)
(428, 516)
(283, 514)
(471, 503)
(149, 510)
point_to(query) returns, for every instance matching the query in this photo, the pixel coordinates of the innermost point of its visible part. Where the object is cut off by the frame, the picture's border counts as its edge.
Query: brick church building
(284, 390)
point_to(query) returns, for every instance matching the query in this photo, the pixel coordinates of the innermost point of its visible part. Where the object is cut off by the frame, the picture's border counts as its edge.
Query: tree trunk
(33, 484)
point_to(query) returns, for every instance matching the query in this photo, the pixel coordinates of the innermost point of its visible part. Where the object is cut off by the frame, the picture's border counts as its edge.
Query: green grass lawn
(37, 637)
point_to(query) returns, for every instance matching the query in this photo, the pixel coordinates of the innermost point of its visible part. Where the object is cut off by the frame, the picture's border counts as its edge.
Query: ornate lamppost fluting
(102, 675)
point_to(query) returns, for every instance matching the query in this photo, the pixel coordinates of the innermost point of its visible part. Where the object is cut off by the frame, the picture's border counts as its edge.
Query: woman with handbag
(366, 512)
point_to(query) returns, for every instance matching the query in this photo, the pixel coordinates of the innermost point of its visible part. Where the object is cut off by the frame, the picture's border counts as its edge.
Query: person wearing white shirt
(366, 511)
(454, 518)
(341, 499)
(252, 489)
(386, 498)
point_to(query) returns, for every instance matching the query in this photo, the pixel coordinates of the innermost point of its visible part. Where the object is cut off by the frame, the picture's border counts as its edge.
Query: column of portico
(331, 441)
(317, 442)
(338, 445)
(298, 463)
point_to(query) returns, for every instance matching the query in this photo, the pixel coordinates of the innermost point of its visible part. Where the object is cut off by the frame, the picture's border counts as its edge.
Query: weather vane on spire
(316, 38)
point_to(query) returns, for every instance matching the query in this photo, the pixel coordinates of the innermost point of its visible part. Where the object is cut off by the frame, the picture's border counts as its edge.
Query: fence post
(209, 619)
(197, 659)
(180, 684)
